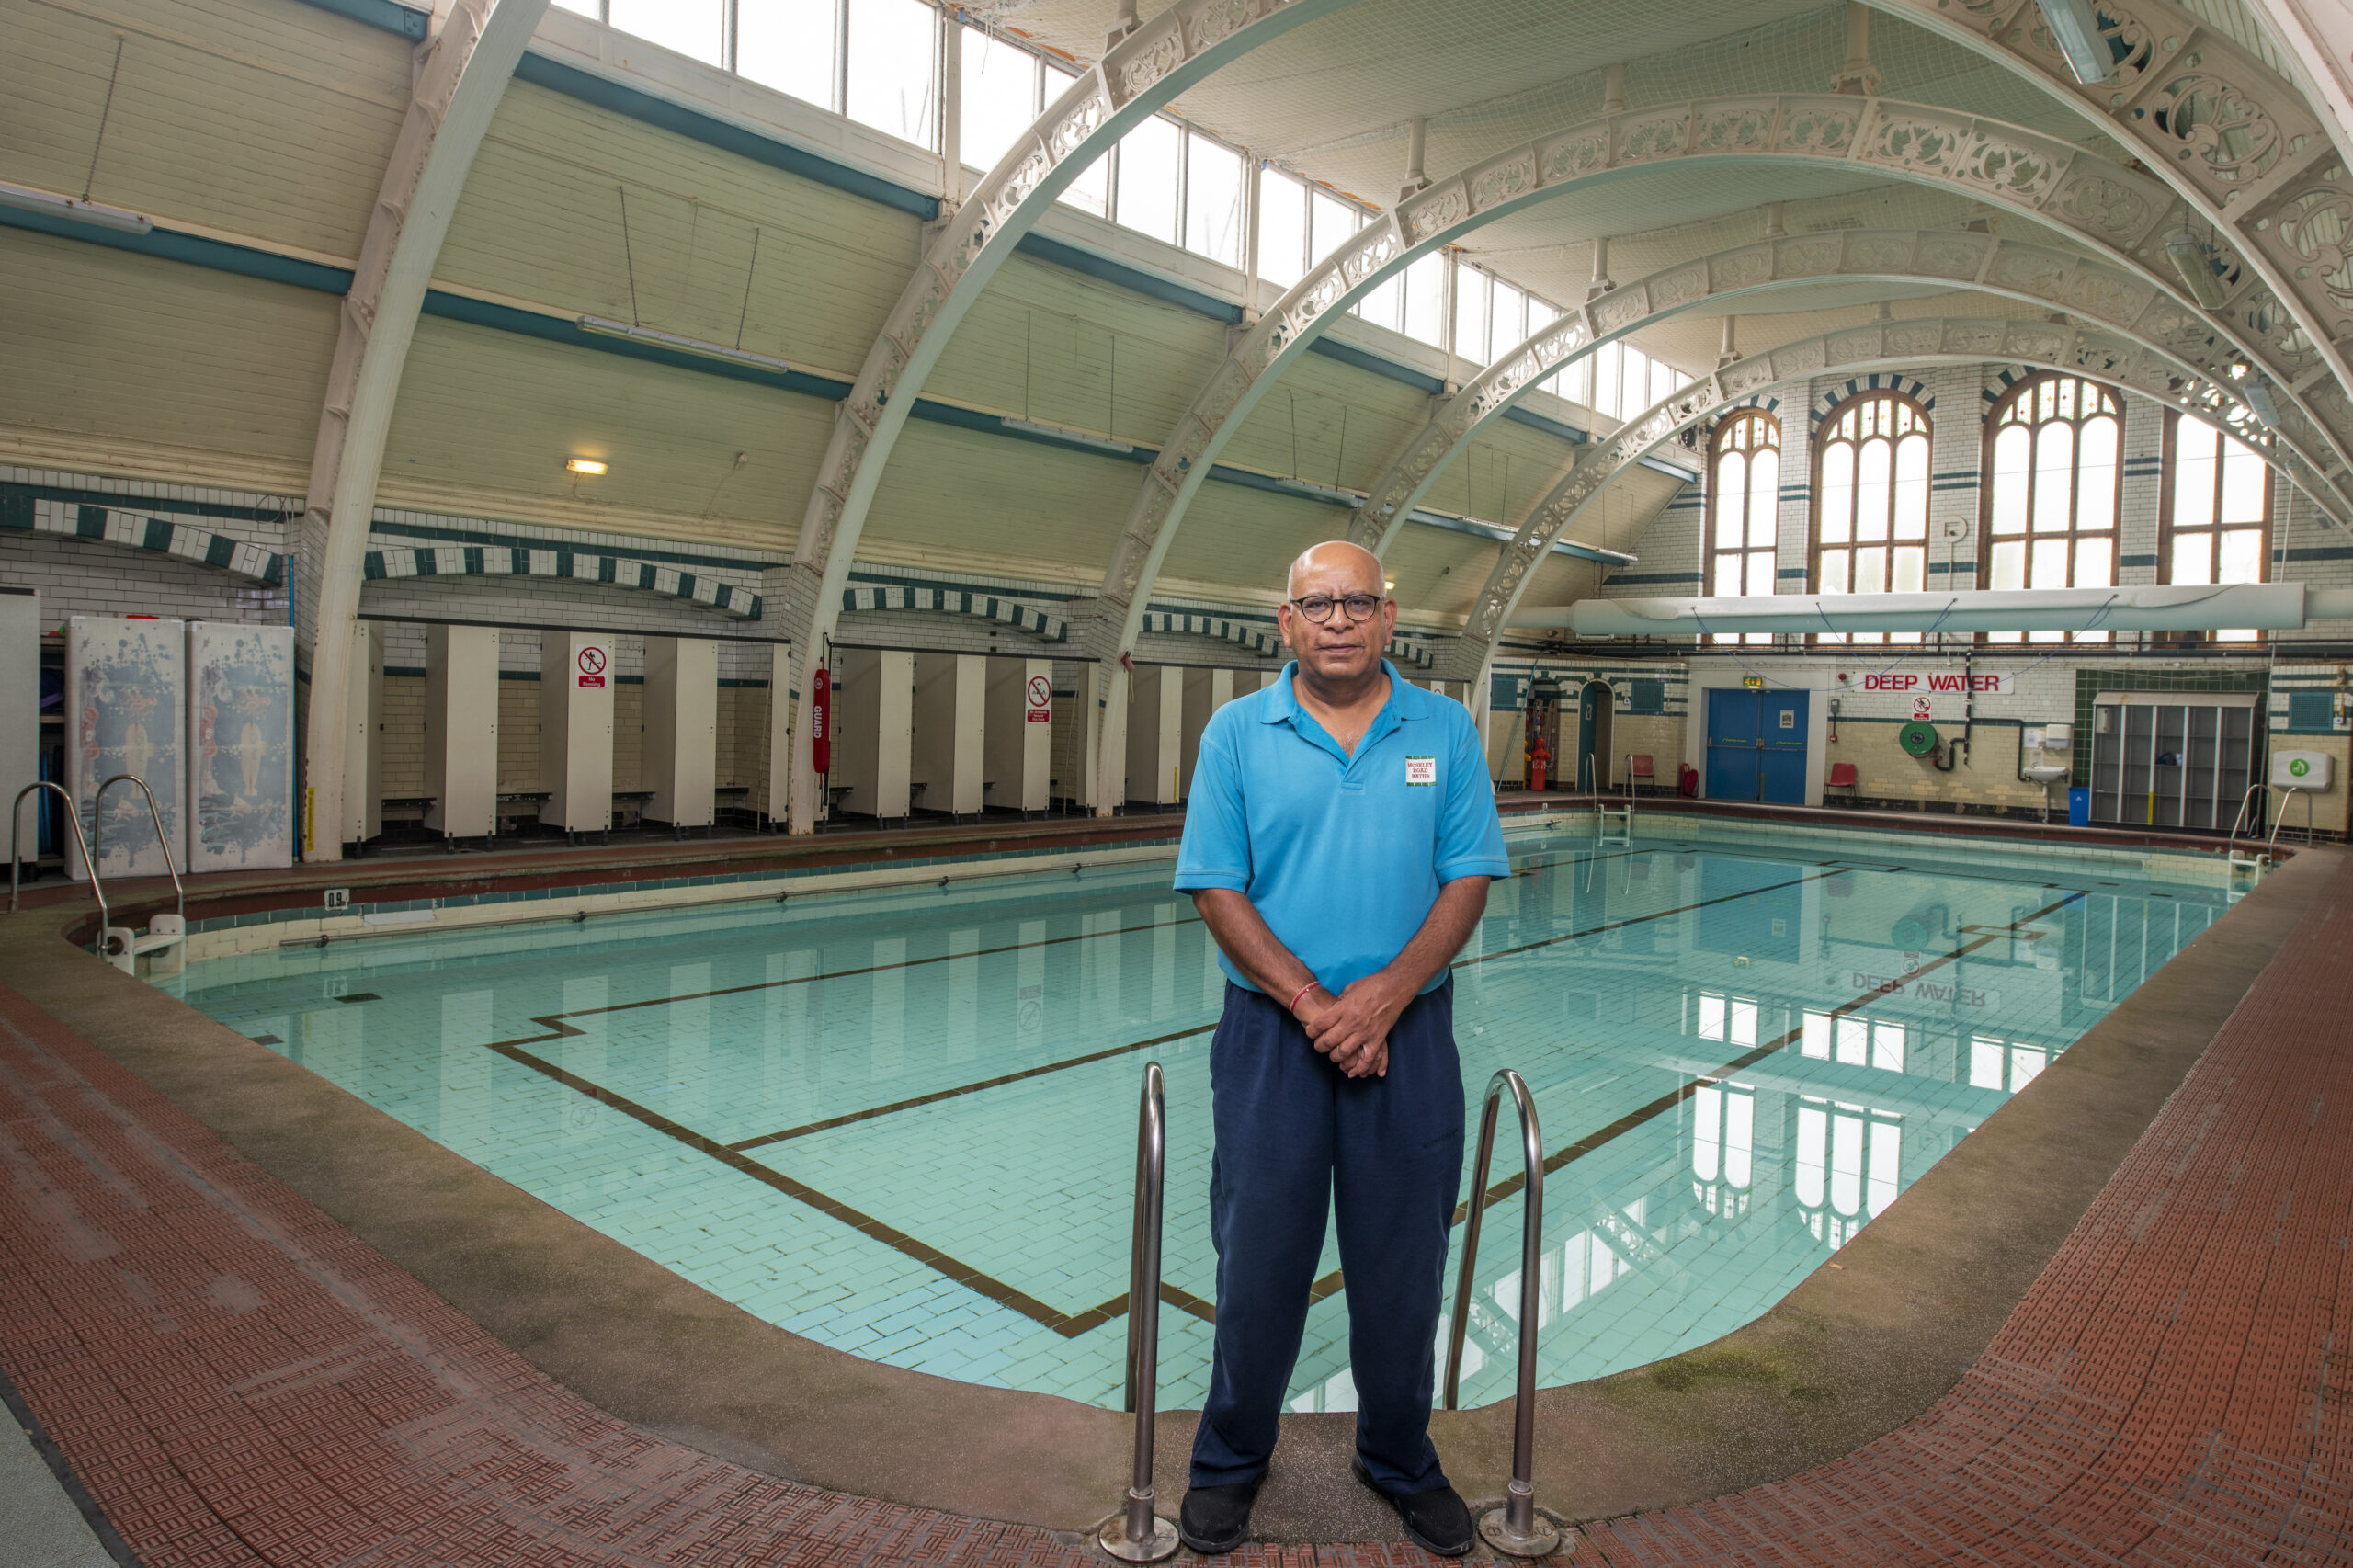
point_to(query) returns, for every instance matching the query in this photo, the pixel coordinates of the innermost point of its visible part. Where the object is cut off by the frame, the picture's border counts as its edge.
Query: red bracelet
(1293, 1008)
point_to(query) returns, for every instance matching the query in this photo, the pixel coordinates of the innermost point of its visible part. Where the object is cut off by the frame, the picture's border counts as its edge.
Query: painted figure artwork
(125, 681)
(240, 736)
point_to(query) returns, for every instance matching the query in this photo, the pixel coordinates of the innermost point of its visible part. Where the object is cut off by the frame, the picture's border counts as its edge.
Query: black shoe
(1216, 1519)
(1439, 1520)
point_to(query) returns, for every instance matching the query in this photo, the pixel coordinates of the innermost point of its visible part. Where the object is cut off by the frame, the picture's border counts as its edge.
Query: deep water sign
(1941, 683)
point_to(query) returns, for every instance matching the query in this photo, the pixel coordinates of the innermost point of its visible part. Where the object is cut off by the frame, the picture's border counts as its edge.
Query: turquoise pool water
(902, 1123)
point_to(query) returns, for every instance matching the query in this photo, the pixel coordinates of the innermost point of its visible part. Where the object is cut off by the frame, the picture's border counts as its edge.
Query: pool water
(902, 1123)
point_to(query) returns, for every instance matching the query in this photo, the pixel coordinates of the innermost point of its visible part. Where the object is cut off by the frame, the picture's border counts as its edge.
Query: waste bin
(2079, 808)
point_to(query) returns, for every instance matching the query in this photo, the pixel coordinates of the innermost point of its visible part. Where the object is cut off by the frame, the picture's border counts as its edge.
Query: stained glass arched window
(1744, 498)
(2053, 484)
(1870, 519)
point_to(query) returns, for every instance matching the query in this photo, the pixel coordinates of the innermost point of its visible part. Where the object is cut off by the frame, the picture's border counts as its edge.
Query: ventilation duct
(2266, 607)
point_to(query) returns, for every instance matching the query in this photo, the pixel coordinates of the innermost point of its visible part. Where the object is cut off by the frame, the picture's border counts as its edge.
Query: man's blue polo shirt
(1343, 856)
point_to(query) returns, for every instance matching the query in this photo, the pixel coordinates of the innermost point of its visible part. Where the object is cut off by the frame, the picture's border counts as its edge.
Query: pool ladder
(167, 934)
(1615, 827)
(1136, 1534)
(1515, 1529)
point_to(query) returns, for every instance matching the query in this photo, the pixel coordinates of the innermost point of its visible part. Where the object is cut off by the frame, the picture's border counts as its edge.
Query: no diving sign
(1039, 700)
(591, 663)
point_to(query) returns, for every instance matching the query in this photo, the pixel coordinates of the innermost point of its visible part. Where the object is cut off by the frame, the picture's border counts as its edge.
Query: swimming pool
(902, 1123)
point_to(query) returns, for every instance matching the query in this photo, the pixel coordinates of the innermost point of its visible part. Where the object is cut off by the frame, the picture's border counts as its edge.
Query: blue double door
(1756, 745)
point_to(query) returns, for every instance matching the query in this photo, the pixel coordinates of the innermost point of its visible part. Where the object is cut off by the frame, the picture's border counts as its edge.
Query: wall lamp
(585, 465)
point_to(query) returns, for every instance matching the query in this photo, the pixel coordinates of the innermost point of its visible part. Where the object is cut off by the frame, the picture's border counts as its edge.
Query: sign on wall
(1038, 700)
(1939, 683)
(591, 660)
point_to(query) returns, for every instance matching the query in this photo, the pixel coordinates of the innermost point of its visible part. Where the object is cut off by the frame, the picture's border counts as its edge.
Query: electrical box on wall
(2301, 769)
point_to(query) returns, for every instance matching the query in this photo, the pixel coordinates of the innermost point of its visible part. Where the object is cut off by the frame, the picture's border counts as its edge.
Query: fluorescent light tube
(2074, 27)
(1312, 491)
(2196, 264)
(1063, 432)
(635, 334)
(30, 200)
(586, 465)
(2259, 399)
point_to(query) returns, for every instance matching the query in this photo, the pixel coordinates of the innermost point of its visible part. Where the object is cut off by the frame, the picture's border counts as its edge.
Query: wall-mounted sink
(2047, 772)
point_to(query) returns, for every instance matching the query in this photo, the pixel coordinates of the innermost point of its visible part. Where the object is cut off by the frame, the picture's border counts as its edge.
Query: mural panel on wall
(240, 735)
(125, 691)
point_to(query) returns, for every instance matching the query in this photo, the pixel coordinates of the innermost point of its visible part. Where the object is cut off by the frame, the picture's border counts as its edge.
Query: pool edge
(1874, 1337)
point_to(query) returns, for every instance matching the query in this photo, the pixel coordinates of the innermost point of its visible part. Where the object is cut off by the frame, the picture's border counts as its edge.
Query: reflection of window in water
(1849, 1165)
(1572, 1272)
(1732, 1019)
(1998, 1063)
(1855, 1041)
(1723, 1147)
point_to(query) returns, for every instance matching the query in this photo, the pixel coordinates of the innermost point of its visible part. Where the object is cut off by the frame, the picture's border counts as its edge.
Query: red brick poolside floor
(237, 1379)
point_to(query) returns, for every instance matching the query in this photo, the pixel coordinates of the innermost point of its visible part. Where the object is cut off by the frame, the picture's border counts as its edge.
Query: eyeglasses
(1317, 607)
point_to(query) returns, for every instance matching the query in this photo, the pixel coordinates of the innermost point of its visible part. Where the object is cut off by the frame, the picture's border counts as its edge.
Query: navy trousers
(1292, 1134)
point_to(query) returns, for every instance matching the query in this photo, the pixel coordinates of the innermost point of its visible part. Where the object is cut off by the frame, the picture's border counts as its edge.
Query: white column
(363, 745)
(462, 72)
(1017, 729)
(681, 757)
(873, 717)
(576, 731)
(461, 730)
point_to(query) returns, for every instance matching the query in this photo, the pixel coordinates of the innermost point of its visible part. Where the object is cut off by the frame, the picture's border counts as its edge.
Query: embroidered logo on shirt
(1421, 770)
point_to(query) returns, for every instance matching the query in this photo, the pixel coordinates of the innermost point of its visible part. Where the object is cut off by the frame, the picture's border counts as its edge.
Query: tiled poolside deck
(235, 1379)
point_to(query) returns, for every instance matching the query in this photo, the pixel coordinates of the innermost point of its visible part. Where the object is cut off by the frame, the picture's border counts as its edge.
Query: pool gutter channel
(1865, 1343)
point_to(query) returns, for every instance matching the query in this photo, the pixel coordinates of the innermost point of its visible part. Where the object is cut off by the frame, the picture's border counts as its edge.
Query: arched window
(1746, 463)
(2054, 483)
(1870, 524)
(2217, 516)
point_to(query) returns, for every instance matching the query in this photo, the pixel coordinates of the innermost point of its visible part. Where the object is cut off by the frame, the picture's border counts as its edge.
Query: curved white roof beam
(2116, 210)
(2318, 36)
(466, 66)
(1151, 65)
(2093, 353)
(2088, 290)
(2261, 170)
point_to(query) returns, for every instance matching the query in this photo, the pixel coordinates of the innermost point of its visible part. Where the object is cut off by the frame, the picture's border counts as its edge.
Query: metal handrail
(2272, 845)
(72, 820)
(1515, 1529)
(2245, 801)
(98, 832)
(1629, 781)
(1136, 1534)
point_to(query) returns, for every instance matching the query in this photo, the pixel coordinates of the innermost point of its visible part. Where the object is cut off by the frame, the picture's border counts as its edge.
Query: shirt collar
(1407, 700)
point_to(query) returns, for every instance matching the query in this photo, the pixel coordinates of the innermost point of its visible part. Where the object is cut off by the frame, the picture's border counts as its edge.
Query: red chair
(1640, 771)
(1842, 777)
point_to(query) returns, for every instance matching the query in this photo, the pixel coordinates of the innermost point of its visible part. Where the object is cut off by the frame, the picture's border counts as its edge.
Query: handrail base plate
(1114, 1538)
(1543, 1539)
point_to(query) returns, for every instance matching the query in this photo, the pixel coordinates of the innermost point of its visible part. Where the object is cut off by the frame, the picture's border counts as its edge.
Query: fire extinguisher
(821, 721)
(1538, 757)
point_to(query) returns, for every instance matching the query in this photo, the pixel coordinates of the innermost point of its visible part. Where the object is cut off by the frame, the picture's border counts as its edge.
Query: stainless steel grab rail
(1515, 1528)
(1136, 1534)
(98, 832)
(2236, 822)
(74, 820)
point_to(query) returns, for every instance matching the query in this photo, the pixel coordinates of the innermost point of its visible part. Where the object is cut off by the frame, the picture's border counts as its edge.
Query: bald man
(1340, 838)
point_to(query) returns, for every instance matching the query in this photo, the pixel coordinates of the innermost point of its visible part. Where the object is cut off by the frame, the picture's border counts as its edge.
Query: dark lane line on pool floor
(1595, 1140)
(848, 1118)
(1068, 1324)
